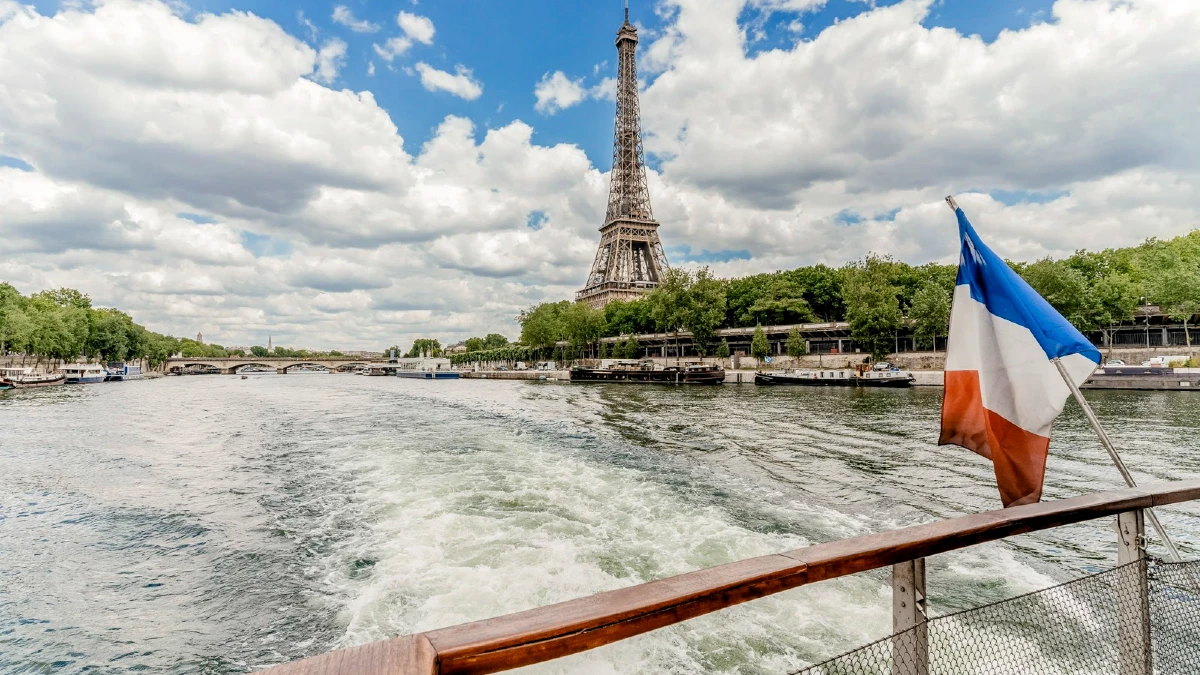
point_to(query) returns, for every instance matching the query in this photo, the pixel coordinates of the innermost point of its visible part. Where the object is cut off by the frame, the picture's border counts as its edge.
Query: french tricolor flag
(1003, 388)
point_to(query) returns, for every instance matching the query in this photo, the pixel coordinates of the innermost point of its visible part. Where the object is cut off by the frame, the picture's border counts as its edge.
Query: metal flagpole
(1116, 458)
(1104, 439)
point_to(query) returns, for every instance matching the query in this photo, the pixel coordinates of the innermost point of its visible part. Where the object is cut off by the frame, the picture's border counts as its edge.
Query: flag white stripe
(1016, 379)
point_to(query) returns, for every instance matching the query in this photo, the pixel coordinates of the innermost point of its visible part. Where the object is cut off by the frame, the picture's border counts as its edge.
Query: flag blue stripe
(1006, 295)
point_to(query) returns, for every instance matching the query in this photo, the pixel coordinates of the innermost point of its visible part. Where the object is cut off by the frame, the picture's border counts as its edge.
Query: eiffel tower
(630, 260)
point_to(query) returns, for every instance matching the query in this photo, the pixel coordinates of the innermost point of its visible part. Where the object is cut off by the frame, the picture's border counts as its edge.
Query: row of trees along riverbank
(877, 296)
(61, 325)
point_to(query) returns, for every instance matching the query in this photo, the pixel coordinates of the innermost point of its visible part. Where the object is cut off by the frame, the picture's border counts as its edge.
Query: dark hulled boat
(647, 373)
(25, 378)
(861, 377)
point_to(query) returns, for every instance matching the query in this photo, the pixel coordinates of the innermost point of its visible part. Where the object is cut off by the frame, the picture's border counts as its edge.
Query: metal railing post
(1133, 596)
(910, 648)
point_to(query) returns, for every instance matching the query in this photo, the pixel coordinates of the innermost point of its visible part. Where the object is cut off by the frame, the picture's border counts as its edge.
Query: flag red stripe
(1018, 456)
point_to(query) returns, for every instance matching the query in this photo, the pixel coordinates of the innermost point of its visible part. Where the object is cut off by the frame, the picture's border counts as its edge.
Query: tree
(14, 320)
(628, 317)
(668, 301)
(110, 335)
(423, 347)
(704, 309)
(494, 341)
(1176, 290)
(582, 325)
(782, 302)
(475, 344)
(723, 349)
(66, 297)
(796, 346)
(823, 291)
(633, 350)
(930, 314)
(604, 351)
(1063, 287)
(542, 325)
(259, 351)
(872, 305)
(1112, 298)
(759, 347)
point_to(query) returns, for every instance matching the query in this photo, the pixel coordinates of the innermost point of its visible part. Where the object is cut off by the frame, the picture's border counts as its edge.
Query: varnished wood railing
(554, 631)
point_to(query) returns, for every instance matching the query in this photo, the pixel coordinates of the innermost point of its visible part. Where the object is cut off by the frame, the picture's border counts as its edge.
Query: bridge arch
(230, 365)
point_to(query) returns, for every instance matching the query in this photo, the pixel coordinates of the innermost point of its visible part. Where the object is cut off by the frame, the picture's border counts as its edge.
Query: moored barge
(25, 378)
(890, 378)
(1147, 377)
(646, 373)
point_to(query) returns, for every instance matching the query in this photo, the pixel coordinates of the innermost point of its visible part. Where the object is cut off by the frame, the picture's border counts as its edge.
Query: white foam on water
(470, 530)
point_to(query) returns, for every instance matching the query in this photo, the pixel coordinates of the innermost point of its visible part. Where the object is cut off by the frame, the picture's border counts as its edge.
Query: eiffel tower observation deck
(630, 260)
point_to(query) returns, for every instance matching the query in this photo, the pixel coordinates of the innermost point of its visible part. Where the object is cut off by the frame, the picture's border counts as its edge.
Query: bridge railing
(558, 630)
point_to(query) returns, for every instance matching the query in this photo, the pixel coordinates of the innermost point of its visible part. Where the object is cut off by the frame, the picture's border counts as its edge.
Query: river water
(215, 524)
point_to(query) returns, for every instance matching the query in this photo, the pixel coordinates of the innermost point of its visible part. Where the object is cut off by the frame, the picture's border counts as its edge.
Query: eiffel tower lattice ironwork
(630, 260)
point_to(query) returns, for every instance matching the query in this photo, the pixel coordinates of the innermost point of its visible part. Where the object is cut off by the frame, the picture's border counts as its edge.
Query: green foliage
(695, 303)
(425, 347)
(394, 349)
(1176, 290)
(259, 351)
(628, 317)
(668, 302)
(542, 325)
(705, 309)
(872, 304)
(759, 347)
(1063, 286)
(723, 349)
(492, 341)
(632, 349)
(508, 355)
(796, 346)
(782, 302)
(582, 325)
(192, 349)
(605, 352)
(930, 314)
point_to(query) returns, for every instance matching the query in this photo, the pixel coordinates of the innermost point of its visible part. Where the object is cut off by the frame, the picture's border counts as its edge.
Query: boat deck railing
(1142, 617)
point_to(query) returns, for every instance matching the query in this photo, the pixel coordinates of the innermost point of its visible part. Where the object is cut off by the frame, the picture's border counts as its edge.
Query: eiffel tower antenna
(630, 260)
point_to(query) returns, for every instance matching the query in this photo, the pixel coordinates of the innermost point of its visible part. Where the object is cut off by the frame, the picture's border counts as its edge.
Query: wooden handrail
(565, 628)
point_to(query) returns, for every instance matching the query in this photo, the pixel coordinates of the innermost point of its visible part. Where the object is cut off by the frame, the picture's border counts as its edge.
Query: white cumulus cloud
(392, 48)
(344, 16)
(330, 59)
(558, 92)
(416, 27)
(461, 82)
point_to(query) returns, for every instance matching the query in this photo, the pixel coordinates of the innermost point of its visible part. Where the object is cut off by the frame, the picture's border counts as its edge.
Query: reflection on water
(219, 525)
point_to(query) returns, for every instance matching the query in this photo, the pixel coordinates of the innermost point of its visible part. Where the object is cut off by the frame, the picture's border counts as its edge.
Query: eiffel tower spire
(630, 260)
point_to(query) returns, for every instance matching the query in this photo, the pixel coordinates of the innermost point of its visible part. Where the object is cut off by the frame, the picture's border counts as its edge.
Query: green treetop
(872, 305)
(759, 347)
(930, 314)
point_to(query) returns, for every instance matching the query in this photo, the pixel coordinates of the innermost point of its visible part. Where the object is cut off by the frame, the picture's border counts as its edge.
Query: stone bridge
(232, 364)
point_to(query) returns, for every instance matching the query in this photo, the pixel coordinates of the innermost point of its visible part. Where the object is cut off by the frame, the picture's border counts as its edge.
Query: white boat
(119, 371)
(84, 373)
(25, 378)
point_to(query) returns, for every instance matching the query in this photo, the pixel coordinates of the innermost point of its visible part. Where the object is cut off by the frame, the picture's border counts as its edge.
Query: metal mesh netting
(1097, 624)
